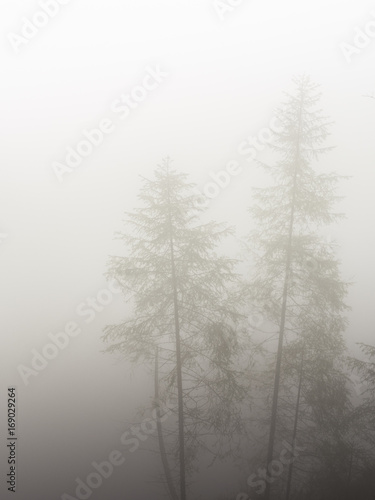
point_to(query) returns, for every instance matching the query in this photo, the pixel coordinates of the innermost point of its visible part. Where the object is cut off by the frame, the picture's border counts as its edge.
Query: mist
(215, 78)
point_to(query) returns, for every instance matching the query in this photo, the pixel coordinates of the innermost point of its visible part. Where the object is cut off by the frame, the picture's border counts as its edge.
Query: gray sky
(224, 79)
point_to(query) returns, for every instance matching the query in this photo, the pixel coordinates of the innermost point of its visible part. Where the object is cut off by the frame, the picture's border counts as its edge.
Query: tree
(186, 309)
(297, 278)
(363, 415)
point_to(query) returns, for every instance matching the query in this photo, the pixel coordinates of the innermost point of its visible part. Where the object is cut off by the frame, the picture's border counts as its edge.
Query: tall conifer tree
(185, 308)
(297, 277)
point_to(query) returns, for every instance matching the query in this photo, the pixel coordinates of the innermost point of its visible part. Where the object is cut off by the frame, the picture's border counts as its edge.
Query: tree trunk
(295, 428)
(163, 454)
(283, 314)
(181, 430)
(350, 471)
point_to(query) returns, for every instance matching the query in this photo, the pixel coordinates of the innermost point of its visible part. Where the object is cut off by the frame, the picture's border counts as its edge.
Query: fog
(223, 80)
